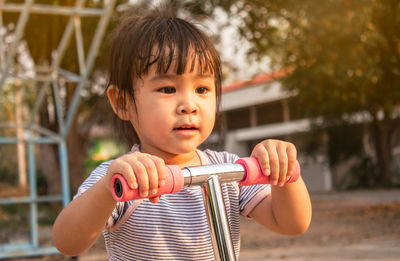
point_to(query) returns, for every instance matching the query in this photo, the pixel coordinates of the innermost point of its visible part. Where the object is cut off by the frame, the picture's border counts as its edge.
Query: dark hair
(159, 39)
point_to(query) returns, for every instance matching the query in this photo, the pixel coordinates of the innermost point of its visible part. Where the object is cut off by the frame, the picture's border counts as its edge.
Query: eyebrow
(173, 76)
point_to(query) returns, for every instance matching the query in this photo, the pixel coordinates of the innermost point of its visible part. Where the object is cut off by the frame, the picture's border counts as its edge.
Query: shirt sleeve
(93, 178)
(249, 196)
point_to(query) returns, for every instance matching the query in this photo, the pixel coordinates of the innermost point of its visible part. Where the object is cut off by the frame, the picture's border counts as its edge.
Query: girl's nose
(187, 108)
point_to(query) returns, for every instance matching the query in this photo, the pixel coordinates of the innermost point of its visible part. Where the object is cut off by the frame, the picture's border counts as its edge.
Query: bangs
(174, 42)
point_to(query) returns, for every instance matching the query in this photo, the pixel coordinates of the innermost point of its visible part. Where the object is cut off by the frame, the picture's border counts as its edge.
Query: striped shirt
(175, 228)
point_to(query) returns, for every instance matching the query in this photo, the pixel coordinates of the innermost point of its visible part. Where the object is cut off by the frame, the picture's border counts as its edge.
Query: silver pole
(209, 178)
(218, 220)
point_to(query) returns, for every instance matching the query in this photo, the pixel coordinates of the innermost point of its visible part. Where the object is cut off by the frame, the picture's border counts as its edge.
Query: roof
(258, 79)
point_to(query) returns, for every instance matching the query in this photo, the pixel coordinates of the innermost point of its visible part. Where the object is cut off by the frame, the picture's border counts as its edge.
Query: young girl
(165, 86)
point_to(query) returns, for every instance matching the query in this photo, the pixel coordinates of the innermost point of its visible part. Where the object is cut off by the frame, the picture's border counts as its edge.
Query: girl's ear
(118, 108)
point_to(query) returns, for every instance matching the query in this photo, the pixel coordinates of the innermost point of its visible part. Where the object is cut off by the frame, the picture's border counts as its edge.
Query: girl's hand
(142, 171)
(277, 160)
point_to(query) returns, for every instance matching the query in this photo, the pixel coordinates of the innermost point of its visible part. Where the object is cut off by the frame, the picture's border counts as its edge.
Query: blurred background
(324, 75)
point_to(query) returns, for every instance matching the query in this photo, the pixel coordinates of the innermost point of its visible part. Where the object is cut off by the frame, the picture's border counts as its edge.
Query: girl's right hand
(142, 171)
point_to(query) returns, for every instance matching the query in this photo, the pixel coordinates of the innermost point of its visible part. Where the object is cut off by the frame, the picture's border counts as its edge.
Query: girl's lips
(186, 131)
(186, 128)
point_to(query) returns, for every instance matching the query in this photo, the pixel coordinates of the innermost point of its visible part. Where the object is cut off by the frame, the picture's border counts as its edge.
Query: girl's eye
(167, 90)
(202, 90)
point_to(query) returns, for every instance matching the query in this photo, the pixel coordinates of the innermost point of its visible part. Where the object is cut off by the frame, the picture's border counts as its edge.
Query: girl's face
(175, 113)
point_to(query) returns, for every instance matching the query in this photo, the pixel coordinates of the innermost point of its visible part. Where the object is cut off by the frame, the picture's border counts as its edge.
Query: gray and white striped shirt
(175, 228)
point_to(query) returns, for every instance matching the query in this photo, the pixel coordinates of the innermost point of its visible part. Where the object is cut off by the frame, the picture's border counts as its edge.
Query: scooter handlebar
(174, 182)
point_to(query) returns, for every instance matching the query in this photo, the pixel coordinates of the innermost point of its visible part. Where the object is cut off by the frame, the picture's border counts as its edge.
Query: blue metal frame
(33, 248)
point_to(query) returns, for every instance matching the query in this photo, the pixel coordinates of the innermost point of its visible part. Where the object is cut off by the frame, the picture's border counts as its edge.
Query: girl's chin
(182, 149)
(173, 148)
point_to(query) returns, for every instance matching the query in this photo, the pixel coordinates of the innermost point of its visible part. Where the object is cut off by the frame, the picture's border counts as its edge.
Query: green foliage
(101, 150)
(344, 54)
(344, 142)
(361, 175)
(14, 216)
(8, 175)
(341, 56)
(8, 164)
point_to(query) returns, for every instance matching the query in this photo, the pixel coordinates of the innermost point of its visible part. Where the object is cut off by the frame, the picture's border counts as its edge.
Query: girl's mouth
(186, 131)
(186, 128)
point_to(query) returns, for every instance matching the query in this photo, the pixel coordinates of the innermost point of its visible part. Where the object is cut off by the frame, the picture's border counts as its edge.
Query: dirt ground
(362, 225)
(357, 225)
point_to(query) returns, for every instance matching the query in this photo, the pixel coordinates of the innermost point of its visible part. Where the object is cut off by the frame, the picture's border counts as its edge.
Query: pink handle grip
(122, 192)
(254, 175)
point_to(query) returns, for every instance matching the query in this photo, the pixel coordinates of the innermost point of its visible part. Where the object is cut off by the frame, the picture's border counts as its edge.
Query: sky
(233, 47)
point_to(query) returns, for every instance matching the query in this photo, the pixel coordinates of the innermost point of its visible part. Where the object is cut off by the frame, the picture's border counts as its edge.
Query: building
(259, 109)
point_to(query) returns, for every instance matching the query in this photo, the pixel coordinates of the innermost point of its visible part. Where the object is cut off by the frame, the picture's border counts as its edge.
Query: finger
(154, 199)
(261, 154)
(120, 166)
(142, 178)
(161, 170)
(274, 164)
(292, 156)
(152, 174)
(283, 163)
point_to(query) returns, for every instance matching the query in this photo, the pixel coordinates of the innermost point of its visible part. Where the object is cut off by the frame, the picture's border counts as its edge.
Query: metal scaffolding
(50, 77)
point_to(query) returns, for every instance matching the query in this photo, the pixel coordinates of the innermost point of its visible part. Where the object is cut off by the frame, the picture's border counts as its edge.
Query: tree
(344, 59)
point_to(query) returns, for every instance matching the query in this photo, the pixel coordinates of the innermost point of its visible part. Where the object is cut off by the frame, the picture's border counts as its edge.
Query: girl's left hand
(277, 159)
